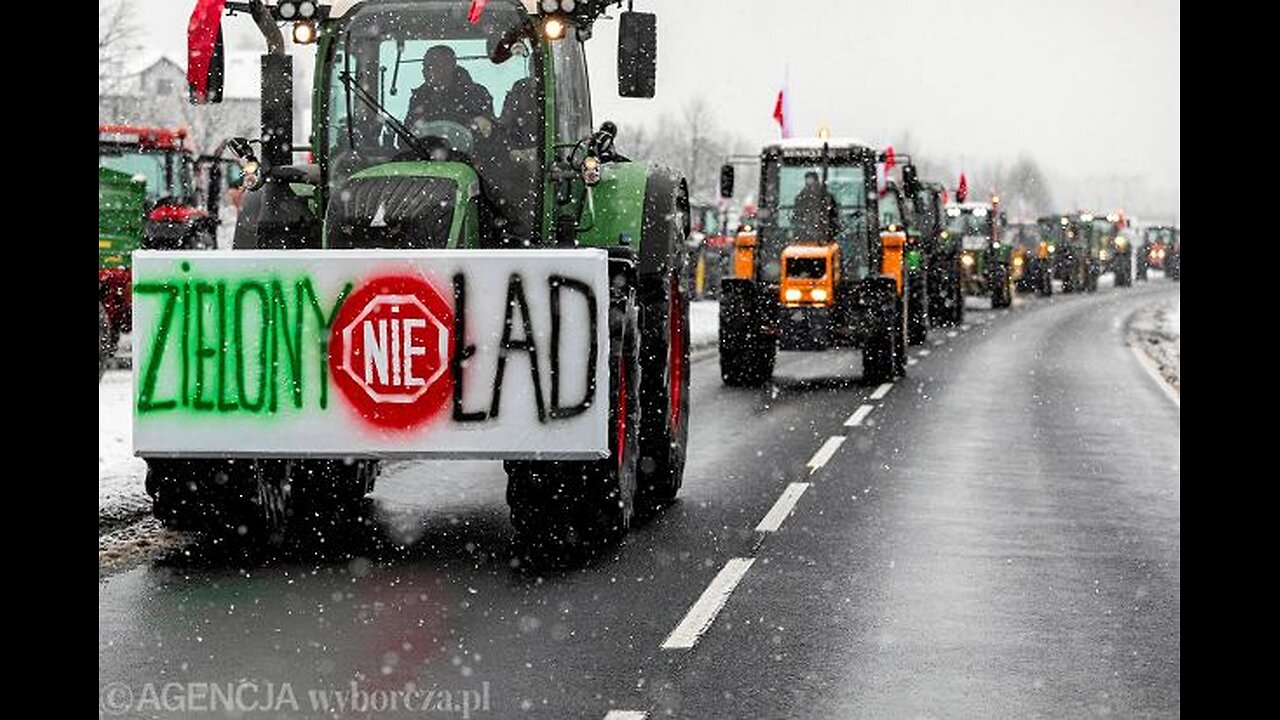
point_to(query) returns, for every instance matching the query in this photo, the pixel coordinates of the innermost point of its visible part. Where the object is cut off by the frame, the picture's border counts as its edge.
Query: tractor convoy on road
(459, 263)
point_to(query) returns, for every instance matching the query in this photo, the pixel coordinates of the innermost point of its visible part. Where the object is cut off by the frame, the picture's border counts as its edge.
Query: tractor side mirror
(206, 59)
(726, 181)
(637, 55)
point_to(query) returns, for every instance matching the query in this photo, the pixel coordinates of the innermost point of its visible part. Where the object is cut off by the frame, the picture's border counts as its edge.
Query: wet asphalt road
(999, 535)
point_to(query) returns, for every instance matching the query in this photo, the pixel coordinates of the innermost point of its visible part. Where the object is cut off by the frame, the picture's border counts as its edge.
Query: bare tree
(116, 28)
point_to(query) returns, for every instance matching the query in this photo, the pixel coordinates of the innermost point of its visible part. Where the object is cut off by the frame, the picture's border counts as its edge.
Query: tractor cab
(165, 163)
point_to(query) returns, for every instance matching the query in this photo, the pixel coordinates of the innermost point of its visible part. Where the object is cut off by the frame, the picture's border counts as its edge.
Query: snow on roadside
(1157, 330)
(121, 494)
(704, 323)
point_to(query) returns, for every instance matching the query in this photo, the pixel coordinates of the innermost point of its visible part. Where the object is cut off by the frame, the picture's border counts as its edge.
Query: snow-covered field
(1158, 332)
(121, 495)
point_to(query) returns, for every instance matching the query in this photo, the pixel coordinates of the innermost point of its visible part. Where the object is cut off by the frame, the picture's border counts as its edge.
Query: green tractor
(443, 125)
(121, 201)
(985, 261)
(1076, 254)
(937, 263)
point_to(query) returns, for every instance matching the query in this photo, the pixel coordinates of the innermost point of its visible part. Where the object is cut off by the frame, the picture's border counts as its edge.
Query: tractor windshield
(418, 81)
(166, 173)
(800, 207)
(966, 221)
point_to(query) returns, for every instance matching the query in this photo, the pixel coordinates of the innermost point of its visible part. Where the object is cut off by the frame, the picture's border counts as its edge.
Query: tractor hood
(405, 205)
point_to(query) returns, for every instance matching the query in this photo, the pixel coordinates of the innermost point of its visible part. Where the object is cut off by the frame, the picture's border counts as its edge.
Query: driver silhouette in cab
(448, 93)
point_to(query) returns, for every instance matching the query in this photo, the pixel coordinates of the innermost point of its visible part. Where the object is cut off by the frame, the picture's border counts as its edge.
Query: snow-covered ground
(704, 323)
(1157, 330)
(121, 495)
(120, 474)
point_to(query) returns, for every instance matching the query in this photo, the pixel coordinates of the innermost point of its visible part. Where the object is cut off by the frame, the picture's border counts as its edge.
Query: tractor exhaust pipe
(277, 90)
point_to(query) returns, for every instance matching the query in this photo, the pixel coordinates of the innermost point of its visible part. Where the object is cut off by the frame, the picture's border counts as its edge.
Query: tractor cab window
(419, 82)
(166, 174)
(892, 216)
(969, 222)
(800, 207)
(573, 94)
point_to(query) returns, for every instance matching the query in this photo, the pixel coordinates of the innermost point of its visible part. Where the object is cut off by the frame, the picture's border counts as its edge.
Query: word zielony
(212, 348)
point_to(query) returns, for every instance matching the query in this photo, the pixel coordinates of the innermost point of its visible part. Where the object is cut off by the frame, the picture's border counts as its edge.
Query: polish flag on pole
(782, 110)
(477, 8)
(962, 192)
(889, 159)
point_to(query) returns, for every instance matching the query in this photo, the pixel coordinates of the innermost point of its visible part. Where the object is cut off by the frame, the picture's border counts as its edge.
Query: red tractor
(176, 216)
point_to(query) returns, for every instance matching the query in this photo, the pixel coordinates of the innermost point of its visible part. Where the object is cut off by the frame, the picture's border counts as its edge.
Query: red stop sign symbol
(389, 351)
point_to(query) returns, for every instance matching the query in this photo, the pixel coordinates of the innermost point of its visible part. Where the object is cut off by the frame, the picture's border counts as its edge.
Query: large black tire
(664, 354)
(1001, 297)
(879, 353)
(300, 501)
(957, 307)
(1124, 271)
(1044, 280)
(918, 309)
(901, 331)
(568, 512)
(747, 355)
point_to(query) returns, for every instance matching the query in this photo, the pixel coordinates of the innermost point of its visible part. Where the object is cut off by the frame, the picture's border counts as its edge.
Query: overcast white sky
(1090, 88)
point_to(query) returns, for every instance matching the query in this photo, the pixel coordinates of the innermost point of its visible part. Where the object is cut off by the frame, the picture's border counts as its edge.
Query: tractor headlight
(251, 175)
(793, 295)
(1017, 262)
(306, 9)
(554, 27)
(966, 260)
(818, 295)
(304, 32)
(1053, 249)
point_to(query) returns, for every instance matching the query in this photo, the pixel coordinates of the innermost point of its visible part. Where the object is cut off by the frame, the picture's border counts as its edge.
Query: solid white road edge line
(781, 509)
(912, 361)
(859, 415)
(626, 715)
(824, 453)
(924, 353)
(1150, 366)
(881, 391)
(704, 611)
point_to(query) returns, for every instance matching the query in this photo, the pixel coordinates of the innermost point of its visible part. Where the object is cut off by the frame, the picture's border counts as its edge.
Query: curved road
(997, 534)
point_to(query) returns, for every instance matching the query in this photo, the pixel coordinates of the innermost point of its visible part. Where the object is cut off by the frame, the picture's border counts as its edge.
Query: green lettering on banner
(152, 368)
(265, 373)
(213, 314)
(203, 352)
(305, 284)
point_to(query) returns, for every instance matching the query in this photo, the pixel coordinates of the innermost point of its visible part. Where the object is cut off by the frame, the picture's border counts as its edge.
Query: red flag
(780, 111)
(889, 159)
(477, 8)
(946, 196)
(204, 39)
(962, 192)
